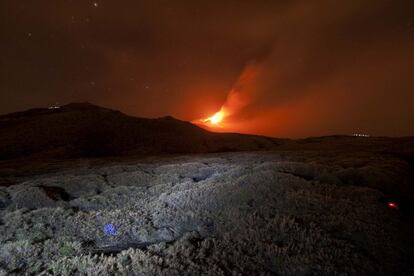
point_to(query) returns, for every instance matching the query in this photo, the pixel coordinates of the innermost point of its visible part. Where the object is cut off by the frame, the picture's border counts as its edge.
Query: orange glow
(216, 119)
(238, 97)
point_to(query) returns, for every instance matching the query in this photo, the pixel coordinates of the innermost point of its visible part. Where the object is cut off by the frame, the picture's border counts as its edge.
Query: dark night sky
(319, 67)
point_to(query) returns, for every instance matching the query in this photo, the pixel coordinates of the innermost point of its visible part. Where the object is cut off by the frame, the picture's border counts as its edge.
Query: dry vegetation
(220, 214)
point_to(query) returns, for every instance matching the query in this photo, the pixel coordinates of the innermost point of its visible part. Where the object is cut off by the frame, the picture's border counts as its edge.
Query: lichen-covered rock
(136, 178)
(246, 213)
(30, 197)
(74, 185)
(5, 199)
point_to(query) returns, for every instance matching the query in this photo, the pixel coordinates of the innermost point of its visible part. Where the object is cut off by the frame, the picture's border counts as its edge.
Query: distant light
(110, 230)
(96, 4)
(360, 135)
(393, 205)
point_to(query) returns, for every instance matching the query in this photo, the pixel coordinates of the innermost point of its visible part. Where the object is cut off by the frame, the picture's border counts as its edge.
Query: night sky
(295, 68)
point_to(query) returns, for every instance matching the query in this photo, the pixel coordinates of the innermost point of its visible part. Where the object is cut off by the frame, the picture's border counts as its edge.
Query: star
(95, 4)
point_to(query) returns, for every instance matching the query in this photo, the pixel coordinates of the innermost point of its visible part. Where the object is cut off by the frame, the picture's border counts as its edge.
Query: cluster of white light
(54, 107)
(360, 135)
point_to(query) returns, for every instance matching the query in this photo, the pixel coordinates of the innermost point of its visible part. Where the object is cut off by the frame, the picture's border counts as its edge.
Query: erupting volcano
(239, 97)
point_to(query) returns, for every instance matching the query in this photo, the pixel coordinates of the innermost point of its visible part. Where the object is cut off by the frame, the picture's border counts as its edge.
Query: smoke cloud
(334, 68)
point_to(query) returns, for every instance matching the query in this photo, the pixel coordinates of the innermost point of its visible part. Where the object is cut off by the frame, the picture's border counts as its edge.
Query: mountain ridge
(87, 130)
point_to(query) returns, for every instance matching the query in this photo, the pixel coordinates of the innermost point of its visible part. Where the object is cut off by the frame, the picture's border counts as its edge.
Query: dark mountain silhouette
(85, 130)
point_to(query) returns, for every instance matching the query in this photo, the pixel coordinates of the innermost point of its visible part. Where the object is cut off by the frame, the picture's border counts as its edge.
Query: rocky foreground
(216, 214)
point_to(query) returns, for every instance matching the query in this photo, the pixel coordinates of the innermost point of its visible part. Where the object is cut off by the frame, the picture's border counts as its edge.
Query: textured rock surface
(249, 213)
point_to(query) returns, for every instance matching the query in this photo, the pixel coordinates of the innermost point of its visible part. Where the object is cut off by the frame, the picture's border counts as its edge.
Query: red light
(393, 205)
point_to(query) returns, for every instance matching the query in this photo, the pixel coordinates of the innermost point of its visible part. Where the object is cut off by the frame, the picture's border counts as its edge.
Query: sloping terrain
(231, 213)
(89, 191)
(85, 130)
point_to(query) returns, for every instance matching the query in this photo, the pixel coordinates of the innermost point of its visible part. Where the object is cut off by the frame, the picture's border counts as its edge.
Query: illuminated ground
(249, 213)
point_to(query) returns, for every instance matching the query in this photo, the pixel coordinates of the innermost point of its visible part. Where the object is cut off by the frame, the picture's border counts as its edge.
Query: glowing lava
(216, 119)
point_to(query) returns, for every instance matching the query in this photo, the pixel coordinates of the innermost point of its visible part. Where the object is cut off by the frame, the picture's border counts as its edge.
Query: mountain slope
(86, 130)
